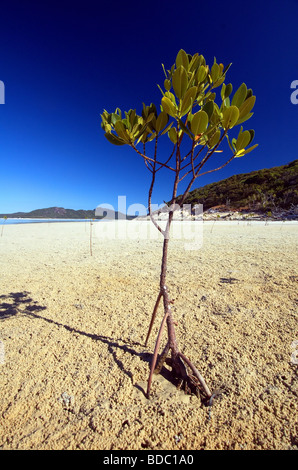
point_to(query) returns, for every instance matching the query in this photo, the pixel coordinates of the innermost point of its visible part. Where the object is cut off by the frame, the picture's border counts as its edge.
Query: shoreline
(208, 218)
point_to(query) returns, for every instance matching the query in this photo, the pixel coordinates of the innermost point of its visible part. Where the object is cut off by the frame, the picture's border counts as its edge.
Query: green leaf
(167, 84)
(216, 118)
(222, 91)
(113, 139)
(151, 121)
(209, 108)
(247, 106)
(179, 81)
(173, 135)
(199, 122)
(230, 117)
(202, 74)
(214, 139)
(239, 96)
(185, 129)
(230, 144)
(170, 95)
(149, 139)
(168, 106)
(218, 82)
(229, 89)
(243, 140)
(245, 118)
(182, 59)
(226, 90)
(162, 121)
(210, 96)
(252, 134)
(139, 131)
(114, 118)
(215, 71)
(225, 104)
(132, 117)
(148, 110)
(167, 129)
(194, 63)
(226, 68)
(107, 127)
(242, 152)
(188, 100)
(251, 148)
(249, 93)
(143, 137)
(121, 131)
(150, 117)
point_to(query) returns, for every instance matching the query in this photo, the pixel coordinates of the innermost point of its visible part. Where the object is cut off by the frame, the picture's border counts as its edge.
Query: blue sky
(63, 62)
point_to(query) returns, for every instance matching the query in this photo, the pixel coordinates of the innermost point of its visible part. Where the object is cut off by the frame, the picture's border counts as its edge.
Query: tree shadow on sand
(20, 303)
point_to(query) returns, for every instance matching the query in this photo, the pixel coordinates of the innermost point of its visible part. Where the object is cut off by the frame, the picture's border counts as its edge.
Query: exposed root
(197, 375)
(188, 378)
(162, 359)
(156, 352)
(153, 316)
(190, 381)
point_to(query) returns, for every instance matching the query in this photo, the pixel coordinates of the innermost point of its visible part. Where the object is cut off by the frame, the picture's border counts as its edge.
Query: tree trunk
(177, 359)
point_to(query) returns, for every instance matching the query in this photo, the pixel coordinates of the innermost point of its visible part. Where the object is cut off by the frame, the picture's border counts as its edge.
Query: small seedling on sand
(196, 126)
(91, 236)
(5, 219)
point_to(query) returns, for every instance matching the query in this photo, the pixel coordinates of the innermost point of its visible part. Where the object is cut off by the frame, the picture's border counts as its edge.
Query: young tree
(188, 111)
(4, 220)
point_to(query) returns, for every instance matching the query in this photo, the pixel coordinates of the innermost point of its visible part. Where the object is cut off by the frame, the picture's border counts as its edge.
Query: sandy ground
(73, 366)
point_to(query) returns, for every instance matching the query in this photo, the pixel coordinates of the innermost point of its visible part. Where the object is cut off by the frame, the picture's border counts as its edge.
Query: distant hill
(60, 213)
(264, 190)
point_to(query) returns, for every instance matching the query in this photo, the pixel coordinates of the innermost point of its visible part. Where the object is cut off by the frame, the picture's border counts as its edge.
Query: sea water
(39, 221)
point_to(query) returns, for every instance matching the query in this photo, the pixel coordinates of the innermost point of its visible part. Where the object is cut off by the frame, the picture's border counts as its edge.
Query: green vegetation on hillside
(263, 190)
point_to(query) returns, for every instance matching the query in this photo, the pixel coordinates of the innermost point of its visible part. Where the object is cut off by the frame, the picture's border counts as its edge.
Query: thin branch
(186, 174)
(187, 190)
(191, 158)
(216, 169)
(167, 161)
(151, 189)
(151, 159)
(206, 158)
(146, 162)
(153, 316)
(196, 156)
(147, 165)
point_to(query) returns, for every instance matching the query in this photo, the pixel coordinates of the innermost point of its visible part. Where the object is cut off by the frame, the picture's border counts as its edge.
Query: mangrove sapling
(91, 237)
(196, 126)
(5, 219)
